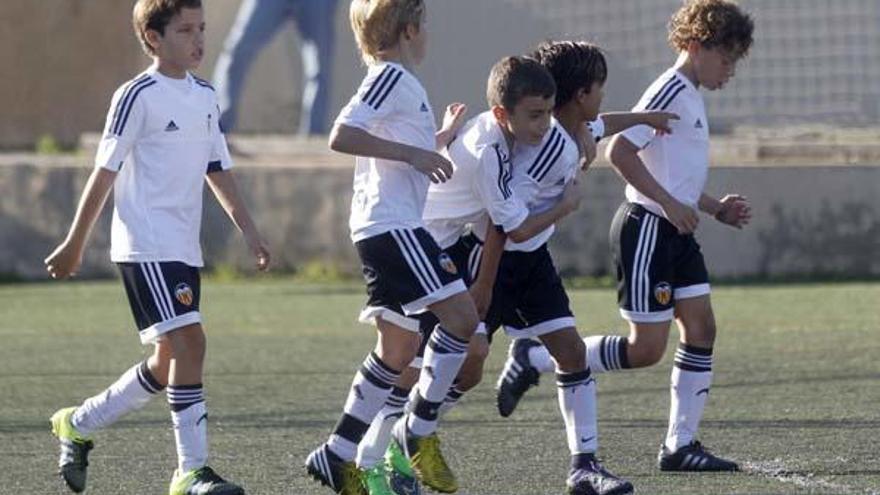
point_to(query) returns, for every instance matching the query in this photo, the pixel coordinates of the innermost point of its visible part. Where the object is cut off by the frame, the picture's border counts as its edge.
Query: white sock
(190, 419)
(604, 353)
(607, 353)
(369, 392)
(132, 391)
(372, 448)
(577, 401)
(691, 380)
(443, 359)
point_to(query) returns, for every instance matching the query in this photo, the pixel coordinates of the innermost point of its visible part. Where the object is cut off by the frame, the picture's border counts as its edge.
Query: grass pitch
(796, 396)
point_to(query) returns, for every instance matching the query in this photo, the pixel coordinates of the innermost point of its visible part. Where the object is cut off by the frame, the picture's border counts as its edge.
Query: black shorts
(528, 299)
(465, 253)
(655, 265)
(405, 271)
(164, 296)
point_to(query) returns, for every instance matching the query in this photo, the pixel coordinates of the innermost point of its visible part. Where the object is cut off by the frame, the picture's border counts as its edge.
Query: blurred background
(796, 130)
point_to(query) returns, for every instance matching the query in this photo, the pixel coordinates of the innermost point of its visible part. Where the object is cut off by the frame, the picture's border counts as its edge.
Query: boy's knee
(571, 358)
(471, 373)
(187, 343)
(400, 356)
(643, 354)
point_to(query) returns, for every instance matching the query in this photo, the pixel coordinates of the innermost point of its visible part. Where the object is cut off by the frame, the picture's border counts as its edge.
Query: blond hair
(713, 24)
(378, 24)
(155, 15)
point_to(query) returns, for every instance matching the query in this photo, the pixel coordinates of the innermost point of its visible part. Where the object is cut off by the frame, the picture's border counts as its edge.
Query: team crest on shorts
(447, 264)
(663, 293)
(184, 294)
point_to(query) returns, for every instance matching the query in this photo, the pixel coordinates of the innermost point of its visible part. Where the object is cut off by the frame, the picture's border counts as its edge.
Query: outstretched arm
(67, 257)
(620, 121)
(225, 188)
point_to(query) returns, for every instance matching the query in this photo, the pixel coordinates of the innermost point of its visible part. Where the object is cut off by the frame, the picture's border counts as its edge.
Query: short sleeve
(493, 186)
(124, 124)
(374, 100)
(220, 157)
(657, 97)
(597, 129)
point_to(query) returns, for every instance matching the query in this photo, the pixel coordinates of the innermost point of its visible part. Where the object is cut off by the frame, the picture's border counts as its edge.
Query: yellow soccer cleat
(202, 481)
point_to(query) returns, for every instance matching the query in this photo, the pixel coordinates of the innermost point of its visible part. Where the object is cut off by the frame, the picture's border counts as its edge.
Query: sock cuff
(181, 397)
(425, 409)
(443, 342)
(147, 380)
(567, 380)
(378, 373)
(397, 398)
(689, 358)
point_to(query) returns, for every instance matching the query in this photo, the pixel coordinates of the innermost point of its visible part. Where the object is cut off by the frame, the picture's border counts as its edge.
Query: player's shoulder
(202, 84)
(669, 90)
(383, 80)
(482, 137)
(136, 85)
(556, 147)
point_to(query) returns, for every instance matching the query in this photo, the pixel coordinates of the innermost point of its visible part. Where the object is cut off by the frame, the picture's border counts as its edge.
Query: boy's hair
(155, 15)
(514, 78)
(378, 24)
(714, 24)
(574, 65)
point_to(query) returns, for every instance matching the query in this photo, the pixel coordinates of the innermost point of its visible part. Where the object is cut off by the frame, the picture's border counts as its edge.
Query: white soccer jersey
(541, 173)
(390, 104)
(479, 188)
(678, 161)
(162, 137)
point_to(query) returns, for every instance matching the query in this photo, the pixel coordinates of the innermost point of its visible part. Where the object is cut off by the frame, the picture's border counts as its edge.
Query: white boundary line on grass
(777, 470)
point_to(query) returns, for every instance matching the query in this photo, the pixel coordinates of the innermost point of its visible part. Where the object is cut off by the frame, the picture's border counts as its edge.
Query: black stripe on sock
(351, 428)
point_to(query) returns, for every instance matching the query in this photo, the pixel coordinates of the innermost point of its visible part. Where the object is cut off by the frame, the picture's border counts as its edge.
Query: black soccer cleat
(594, 479)
(693, 457)
(330, 470)
(517, 377)
(73, 460)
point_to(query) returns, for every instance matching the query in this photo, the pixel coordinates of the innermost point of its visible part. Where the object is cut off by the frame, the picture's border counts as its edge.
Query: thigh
(691, 278)
(542, 304)
(316, 21)
(256, 24)
(641, 250)
(163, 296)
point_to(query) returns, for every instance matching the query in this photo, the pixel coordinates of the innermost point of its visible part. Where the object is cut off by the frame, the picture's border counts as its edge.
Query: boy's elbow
(336, 139)
(618, 151)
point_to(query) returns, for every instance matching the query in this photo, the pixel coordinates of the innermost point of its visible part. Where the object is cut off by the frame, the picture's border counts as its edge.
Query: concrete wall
(809, 220)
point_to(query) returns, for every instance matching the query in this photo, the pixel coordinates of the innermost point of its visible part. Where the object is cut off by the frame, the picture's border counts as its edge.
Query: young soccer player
(477, 197)
(161, 142)
(390, 127)
(660, 269)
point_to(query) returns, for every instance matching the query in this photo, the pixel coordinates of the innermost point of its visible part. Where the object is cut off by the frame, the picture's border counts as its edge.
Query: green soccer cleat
(427, 460)
(202, 481)
(401, 477)
(375, 480)
(74, 458)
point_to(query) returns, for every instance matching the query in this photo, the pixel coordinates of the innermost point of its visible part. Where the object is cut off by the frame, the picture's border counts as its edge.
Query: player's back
(162, 135)
(480, 161)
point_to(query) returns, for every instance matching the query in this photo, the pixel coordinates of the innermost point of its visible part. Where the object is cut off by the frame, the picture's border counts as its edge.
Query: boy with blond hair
(660, 269)
(389, 126)
(161, 142)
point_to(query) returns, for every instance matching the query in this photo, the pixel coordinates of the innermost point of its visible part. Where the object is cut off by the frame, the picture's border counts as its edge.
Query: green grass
(797, 392)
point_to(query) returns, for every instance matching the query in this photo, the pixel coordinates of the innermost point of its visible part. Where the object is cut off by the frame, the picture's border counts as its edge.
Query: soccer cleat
(203, 481)
(426, 459)
(517, 377)
(74, 458)
(343, 477)
(594, 479)
(693, 457)
(401, 477)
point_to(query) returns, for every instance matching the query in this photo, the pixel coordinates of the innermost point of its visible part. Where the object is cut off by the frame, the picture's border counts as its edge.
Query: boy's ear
(411, 31)
(693, 47)
(500, 114)
(153, 38)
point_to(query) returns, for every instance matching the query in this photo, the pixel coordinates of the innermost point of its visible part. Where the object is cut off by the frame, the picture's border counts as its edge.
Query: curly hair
(714, 24)
(574, 65)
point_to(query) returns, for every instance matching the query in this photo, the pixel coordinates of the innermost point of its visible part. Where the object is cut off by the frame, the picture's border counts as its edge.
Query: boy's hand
(660, 121)
(735, 211)
(64, 261)
(683, 217)
(572, 195)
(261, 252)
(432, 164)
(453, 119)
